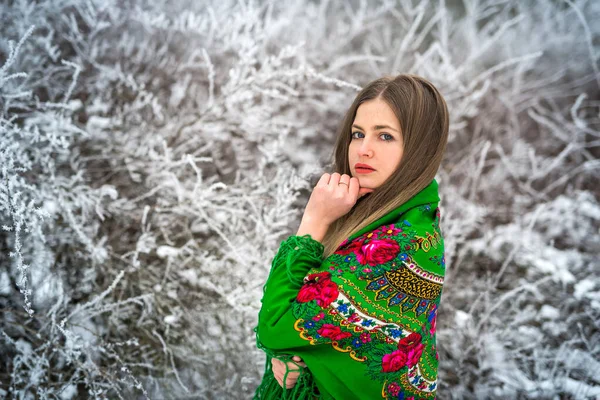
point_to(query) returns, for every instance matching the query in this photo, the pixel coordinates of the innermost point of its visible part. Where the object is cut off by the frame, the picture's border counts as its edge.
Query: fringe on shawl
(305, 387)
(269, 389)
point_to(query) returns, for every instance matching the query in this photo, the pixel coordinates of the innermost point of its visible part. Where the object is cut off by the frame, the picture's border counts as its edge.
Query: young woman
(349, 308)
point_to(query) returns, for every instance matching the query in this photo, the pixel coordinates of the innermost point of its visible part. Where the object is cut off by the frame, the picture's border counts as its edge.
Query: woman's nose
(366, 148)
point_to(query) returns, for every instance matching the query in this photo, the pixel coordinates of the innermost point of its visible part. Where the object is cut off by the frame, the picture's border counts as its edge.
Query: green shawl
(363, 320)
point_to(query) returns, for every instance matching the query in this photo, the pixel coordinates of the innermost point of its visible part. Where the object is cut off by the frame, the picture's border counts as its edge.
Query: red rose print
(394, 361)
(409, 342)
(319, 287)
(333, 332)
(414, 354)
(318, 276)
(378, 251)
(307, 293)
(354, 246)
(327, 292)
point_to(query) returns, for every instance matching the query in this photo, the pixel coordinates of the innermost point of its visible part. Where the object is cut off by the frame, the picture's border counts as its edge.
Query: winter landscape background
(154, 154)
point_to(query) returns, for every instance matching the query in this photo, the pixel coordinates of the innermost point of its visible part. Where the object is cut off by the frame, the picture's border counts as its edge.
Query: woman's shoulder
(422, 240)
(413, 239)
(422, 221)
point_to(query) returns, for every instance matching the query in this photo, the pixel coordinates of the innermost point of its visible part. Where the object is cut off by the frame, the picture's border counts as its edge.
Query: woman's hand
(279, 368)
(333, 196)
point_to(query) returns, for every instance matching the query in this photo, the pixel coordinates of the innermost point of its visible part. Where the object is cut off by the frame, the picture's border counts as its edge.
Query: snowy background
(153, 155)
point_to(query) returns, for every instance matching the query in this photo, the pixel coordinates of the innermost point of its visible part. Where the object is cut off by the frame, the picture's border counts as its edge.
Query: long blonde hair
(423, 116)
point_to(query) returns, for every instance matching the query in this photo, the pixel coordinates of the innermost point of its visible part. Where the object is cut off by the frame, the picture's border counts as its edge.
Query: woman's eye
(389, 137)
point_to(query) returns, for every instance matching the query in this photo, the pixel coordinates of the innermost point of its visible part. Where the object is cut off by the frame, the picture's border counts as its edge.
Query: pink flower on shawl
(393, 361)
(319, 287)
(333, 332)
(354, 318)
(352, 247)
(393, 389)
(378, 251)
(390, 230)
(307, 293)
(328, 292)
(319, 316)
(365, 337)
(412, 347)
(414, 355)
(433, 325)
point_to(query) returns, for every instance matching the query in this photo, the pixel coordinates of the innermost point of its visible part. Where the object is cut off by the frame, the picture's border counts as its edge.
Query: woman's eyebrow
(376, 127)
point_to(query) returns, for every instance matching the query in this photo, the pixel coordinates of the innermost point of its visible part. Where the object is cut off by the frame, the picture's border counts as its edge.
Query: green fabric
(363, 319)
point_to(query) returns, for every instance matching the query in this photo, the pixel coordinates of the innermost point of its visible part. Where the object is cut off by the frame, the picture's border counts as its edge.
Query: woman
(349, 308)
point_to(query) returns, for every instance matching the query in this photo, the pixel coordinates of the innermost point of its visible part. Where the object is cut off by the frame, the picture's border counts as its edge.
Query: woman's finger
(345, 179)
(354, 187)
(364, 191)
(277, 368)
(278, 374)
(303, 365)
(290, 381)
(298, 361)
(335, 179)
(279, 371)
(324, 180)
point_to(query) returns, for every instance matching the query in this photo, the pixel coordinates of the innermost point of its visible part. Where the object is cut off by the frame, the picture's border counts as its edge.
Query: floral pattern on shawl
(399, 349)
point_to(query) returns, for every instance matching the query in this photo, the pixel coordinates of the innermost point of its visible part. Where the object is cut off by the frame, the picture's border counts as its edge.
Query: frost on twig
(152, 159)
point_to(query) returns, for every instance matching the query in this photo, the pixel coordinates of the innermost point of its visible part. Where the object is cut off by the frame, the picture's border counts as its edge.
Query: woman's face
(376, 141)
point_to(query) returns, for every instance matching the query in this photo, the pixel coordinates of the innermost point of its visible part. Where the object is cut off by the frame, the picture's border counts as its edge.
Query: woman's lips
(364, 170)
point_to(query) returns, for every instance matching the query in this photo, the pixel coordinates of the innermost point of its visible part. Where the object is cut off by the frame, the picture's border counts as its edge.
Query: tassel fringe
(269, 389)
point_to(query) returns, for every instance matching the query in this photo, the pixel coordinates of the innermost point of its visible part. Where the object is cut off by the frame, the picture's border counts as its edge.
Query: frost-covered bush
(153, 155)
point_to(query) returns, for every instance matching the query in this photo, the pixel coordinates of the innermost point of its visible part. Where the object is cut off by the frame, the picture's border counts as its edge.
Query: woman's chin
(365, 183)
